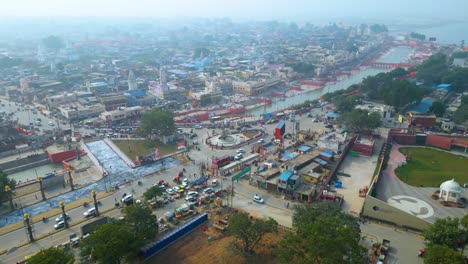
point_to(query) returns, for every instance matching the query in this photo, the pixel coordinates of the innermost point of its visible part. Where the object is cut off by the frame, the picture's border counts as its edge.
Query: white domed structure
(450, 189)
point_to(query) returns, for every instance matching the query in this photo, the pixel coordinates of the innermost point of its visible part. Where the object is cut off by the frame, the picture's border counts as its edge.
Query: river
(395, 55)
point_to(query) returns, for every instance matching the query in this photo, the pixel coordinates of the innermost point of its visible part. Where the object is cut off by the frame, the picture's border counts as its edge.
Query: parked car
(208, 191)
(60, 218)
(260, 141)
(198, 127)
(189, 198)
(238, 156)
(192, 193)
(170, 191)
(176, 188)
(185, 182)
(240, 151)
(258, 199)
(90, 212)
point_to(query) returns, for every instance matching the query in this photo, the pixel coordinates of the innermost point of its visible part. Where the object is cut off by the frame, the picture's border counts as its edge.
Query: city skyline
(241, 9)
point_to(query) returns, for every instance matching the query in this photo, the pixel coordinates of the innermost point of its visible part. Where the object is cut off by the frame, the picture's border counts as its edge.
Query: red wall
(363, 149)
(439, 141)
(60, 156)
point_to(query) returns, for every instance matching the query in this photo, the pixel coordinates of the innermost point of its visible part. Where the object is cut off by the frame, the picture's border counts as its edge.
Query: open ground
(134, 147)
(429, 167)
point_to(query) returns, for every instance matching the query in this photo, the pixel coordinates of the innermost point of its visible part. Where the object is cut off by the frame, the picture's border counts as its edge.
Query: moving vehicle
(90, 212)
(59, 225)
(60, 218)
(128, 199)
(260, 141)
(214, 182)
(240, 151)
(198, 127)
(258, 199)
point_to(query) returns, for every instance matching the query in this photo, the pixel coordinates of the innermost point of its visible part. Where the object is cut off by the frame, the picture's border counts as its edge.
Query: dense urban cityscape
(282, 141)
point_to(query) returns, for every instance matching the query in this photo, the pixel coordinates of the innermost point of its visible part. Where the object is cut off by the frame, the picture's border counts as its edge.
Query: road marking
(411, 205)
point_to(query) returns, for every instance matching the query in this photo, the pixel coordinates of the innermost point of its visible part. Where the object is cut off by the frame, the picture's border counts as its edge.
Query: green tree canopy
(378, 28)
(158, 122)
(52, 255)
(323, 234)
(153, 192)
(5, 181)
(205, 99)
(458, 78)
(142, 221)
(444, 231)
(437, 108)
(418, 36)
(345, 103)
(53, 42)
(302, 67)
(249, 232)
(398, 93)
(461, 115)
(433, 69)
(359, 120)
(438, 254)
(111, 244)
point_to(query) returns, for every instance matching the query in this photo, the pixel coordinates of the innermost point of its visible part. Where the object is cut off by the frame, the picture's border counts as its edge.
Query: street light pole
(64, 215)
(41, 188)
(27, 222)
(9, 196)
(93, 192)
(70, 179)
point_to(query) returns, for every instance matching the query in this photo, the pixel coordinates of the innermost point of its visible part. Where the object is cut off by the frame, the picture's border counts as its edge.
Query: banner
(400, 118)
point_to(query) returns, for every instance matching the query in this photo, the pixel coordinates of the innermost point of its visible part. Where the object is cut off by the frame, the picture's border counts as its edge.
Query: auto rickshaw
(177, 179)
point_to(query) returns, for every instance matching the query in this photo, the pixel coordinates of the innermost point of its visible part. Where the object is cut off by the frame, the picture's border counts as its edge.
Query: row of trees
(444, 238)
(4, 182)
(112, 243)
(321, 233)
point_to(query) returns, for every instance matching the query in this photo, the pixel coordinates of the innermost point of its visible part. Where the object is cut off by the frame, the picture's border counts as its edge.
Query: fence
(174, 236)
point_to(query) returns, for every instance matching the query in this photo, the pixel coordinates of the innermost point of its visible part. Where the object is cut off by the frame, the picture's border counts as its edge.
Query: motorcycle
(44, 219)
(85, 205)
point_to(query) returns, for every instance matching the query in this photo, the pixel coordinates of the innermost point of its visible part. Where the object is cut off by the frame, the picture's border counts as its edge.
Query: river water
(395, 55)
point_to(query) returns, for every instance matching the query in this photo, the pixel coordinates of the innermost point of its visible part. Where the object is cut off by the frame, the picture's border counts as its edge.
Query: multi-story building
(121, 114)
(252, 88)
(78, 111)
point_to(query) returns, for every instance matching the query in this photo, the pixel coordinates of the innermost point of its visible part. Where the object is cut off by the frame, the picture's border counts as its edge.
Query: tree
(205, 99)
(5, 181)
(153, 192)
(399, 93)
(249, 232)
(157, 122)
(53, 42)
(378, 28)
(444, 231)
(433, 69)
(458, 78)
(110, 244)
(323, 234)
(345, 103)
(52, 255)
(437, 108)
(359, 120)
(418, 36)
(461, 115)
(142, 222)
(437, 254)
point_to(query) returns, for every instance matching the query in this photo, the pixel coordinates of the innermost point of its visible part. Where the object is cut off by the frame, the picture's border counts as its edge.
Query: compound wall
(439, 141)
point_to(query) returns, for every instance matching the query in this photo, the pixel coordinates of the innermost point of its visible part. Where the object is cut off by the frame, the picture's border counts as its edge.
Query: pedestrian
(287, 205)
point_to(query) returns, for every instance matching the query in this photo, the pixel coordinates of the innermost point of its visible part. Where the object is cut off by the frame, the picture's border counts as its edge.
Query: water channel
(395, 55)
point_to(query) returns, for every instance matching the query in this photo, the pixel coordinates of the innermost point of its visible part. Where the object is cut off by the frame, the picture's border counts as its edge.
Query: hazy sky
(252, 9)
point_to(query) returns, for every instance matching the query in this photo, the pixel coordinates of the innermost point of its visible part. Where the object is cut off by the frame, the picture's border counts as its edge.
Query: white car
(198, 127)
(60, 218)
(238, 156)
(170, 191)
(185, 182)
(128, 199)
(175, 188)
(192, 193)
(260, 141)
(51, 124)
(90, 212)
(258, 199)
(240, 151)
(59, 225)
(208, 191)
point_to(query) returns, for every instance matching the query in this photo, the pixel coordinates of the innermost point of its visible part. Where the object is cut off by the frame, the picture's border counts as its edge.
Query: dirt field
(197, 248)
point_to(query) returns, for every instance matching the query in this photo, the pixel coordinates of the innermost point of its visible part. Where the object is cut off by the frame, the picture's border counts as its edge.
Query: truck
(383, 252)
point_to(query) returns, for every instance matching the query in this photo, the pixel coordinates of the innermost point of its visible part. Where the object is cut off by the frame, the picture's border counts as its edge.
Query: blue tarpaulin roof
(285, 175)
(326, 154)
(289, 155)
(444, 86)
(333, 115)
(304, 148)
(320, 161)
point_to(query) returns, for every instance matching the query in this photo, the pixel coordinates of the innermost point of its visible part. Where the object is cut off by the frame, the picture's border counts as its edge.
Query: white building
(121, 114)
(74, 111)
(384, 111)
